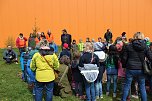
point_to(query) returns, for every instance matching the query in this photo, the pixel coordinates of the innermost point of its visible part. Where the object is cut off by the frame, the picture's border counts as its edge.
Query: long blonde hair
(88, 47)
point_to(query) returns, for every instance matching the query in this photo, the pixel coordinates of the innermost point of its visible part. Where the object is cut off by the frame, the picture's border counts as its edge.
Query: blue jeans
(48, 86)
(141, 81)
(90, 91)
(22, 50)
(98, 88)
(98, 82)
(114, 82)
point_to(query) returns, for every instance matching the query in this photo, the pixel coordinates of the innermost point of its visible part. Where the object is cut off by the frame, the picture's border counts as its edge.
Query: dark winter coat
(65, 52)
(86, 59)
(130, 58)
(108, 36)
(66, 38)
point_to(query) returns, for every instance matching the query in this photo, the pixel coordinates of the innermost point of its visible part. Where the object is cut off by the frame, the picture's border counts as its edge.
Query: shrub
(10, 41)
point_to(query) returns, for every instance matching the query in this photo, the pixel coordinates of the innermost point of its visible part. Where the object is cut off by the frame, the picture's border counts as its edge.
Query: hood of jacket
(139, 45)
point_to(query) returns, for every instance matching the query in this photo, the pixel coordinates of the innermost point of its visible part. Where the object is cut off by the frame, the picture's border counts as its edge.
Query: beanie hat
(98, 46)
(65, 45)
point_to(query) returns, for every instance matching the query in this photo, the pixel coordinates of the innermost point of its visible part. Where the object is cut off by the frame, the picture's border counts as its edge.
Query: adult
(21, 43)
(43, 42)
(108, 35)
(66, 38)
(49, 36)
(44, 63)
(31, 41)
(42, 36)
(123, 34)
(133, 56)
(87, 58)
(9, 55)
(88, 39)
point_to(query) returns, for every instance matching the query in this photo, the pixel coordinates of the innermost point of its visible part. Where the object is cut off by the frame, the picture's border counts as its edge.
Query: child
(80, 46)
(77, 77)
(111, 69)
(65, 51)
(74, 46)
(54, 46)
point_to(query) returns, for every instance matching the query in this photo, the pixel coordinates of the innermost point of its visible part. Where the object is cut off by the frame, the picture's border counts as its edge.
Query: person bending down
(9, 55)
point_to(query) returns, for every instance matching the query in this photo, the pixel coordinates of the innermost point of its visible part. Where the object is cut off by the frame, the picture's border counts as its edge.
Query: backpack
(30, 74)
(102, 55)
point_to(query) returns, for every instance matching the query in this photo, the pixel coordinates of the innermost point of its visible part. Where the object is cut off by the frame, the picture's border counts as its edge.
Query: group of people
(88, 63)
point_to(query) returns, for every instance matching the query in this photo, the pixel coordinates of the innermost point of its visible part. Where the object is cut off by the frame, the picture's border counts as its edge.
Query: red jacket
(21, 42)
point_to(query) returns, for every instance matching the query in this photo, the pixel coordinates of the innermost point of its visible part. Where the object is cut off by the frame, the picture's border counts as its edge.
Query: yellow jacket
(44, 73)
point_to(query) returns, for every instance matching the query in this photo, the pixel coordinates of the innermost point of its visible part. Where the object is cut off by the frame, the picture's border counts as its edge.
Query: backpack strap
(63, 74)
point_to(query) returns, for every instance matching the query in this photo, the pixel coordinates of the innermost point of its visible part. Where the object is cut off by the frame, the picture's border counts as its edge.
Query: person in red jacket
(21, 43)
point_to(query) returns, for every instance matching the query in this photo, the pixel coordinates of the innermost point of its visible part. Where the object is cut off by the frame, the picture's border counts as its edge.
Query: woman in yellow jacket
(44, 73)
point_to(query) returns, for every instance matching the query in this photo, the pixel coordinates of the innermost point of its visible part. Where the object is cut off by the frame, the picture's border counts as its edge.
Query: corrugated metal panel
(82, 18)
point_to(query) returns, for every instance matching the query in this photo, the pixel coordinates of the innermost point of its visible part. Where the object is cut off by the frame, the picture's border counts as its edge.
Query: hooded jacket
(44, 73)
(134, 53)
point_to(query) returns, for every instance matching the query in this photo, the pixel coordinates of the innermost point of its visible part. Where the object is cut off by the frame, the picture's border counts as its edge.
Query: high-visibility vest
(21, 43)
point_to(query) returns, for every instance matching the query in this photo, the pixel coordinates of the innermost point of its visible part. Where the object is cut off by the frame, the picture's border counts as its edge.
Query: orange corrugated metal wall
(82, 18)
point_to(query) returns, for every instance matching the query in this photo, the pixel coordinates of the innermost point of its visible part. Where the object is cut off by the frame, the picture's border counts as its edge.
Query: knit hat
(119, 45)
(65, 45)
(98, 46)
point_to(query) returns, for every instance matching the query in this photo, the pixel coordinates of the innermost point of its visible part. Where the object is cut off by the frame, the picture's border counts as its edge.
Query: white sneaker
(135, 96)
(16, 62)
(101, 97)
(114, 95)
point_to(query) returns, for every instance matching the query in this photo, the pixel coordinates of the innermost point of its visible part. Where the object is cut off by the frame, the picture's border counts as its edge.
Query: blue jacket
(55, 47)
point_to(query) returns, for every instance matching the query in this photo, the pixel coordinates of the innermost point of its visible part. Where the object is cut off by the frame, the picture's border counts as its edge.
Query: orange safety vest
(49, 39)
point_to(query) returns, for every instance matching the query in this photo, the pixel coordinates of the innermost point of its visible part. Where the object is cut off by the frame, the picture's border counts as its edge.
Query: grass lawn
(12, 88)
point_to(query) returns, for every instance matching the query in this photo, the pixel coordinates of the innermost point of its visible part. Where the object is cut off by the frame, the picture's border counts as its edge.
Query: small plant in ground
(10, 41)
